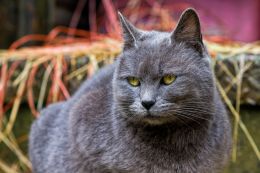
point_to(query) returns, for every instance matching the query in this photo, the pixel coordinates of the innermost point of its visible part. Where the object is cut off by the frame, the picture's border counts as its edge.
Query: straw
(16, 150)
(241, 124)
(238, 95)
(18, 98)
(6, 168)
(44, 86)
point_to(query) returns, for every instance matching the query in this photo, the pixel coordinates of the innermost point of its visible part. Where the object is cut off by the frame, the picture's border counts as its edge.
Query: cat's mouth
(155, 119)
(152, 120)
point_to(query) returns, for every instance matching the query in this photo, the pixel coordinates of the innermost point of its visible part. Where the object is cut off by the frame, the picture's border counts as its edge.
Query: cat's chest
(144, 159)
(138, 159)
(121, 158)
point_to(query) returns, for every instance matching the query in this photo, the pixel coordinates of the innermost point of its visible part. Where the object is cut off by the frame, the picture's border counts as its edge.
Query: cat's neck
(171, 134)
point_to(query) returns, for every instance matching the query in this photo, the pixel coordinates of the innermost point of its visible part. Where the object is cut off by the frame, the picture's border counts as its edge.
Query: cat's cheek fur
(137, 110)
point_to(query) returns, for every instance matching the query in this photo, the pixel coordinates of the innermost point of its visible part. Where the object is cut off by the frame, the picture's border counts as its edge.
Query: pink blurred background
(236, 19)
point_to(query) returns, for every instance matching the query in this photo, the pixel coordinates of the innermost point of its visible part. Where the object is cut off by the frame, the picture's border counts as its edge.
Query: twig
(44, 86)
(2, 88)
(16, 150)
(18, 98)
(238, 98)
(6, 168)
(241, 124)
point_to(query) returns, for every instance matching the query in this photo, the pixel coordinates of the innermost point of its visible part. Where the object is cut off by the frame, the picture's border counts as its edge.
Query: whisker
(178, 118)
(195, 110)
(186, 116)
(196, 116)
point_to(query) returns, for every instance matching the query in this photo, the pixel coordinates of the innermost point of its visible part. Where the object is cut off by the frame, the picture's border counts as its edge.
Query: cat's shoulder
(41, 132)
(102, 78)
(92, 102)
(47, 115)
(91, 110)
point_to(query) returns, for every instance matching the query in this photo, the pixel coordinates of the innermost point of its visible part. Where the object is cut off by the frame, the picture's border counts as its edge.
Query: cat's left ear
(188, 28)
(130, 33)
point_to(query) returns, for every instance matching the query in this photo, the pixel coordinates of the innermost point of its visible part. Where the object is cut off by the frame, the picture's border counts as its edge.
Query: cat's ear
(130, 32)
(188, 27)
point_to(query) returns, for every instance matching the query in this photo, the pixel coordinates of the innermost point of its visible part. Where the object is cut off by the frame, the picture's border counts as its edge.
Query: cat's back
(49, 136)
(90, 117)
(41, 133)
(93, 100)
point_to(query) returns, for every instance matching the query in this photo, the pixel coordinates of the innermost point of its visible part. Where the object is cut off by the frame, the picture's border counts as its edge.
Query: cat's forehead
(154, 44)
(157, 47)
(154, 39)
(155, 54)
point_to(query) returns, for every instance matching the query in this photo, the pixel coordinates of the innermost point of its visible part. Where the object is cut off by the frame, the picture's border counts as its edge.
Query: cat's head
(164, 77)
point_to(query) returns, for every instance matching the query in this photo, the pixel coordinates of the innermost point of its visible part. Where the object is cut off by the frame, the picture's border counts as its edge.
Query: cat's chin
(156, 120)
(151, 118)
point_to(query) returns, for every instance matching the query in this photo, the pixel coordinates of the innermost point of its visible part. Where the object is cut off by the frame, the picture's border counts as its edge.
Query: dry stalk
(18, 98)
(77, 72)
(238, 95)
(241, 124)
(44, 86)
(235, 79)
(2, 88)
(6, 168)
(57, 76)
(16, 150)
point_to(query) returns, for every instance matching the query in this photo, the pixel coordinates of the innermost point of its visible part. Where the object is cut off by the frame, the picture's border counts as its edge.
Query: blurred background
(236, 19)
(48, 47)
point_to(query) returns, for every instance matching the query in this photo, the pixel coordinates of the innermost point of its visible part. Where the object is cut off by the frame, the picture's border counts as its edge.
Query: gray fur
(104, 128)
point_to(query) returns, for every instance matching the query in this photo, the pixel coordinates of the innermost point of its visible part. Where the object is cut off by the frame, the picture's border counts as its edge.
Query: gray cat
(155, 110)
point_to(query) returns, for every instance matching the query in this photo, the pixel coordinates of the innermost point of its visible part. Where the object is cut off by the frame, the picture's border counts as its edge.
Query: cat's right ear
(130, 32)
(188, 27)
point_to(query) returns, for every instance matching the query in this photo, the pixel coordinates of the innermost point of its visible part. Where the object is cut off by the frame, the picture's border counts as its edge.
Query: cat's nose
(148, 103)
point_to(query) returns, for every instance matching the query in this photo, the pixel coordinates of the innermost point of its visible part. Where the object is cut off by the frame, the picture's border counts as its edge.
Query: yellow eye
(168, 79)
(133, 81)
